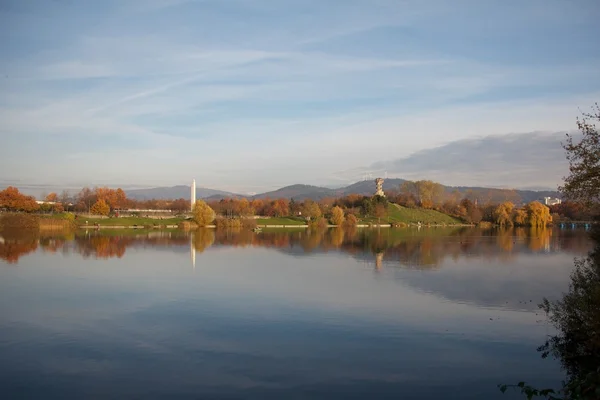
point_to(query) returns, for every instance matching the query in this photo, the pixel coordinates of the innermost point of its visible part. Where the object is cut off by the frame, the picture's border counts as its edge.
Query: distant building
(552, 201)
(40, 202)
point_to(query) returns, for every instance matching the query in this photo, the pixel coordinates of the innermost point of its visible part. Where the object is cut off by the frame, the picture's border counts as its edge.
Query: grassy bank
(399, 214)
(34, 222)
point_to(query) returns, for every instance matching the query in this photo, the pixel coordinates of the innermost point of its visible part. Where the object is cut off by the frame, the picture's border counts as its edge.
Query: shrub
(203, 215)
(350, 220)
(69, 216)
(319, 223)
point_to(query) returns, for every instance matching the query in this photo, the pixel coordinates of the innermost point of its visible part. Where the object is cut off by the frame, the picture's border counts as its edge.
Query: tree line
(347, 209)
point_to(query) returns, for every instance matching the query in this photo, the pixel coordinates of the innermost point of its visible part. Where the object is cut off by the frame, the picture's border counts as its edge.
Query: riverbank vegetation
(398, 209)
(421, 202)
(576, 316)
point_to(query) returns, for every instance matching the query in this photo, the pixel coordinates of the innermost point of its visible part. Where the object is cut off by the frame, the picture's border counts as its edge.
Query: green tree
(576, 316)
(577, 319)
(100, 208)
(202, 214)
(337, 216)
(583, 182)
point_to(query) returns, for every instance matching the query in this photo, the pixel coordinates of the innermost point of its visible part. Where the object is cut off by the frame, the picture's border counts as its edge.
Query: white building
(552, 201)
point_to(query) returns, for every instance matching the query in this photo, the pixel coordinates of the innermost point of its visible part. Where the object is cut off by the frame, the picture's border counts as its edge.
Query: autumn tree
(85, 198)
(100, 207)
(51, 197)
(409, 188)
(502, 214)
(311, 209)
(257, 205)
(65, 198)
(280, 208)
(179, 205)
(538, 214)
(472, 212)
(202, 214)
(245, 208)
(120, 198)
(519, 217)
(13, 200)
(337, 216)
(351, 220)
(583, 182)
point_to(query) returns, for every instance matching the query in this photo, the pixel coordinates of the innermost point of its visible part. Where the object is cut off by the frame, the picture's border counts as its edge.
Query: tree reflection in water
(407, 248)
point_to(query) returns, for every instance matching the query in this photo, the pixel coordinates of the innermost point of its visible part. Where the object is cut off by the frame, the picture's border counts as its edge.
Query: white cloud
(242, 84)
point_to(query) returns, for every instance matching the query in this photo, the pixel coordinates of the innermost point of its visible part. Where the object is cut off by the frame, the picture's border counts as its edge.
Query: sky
(251, 95)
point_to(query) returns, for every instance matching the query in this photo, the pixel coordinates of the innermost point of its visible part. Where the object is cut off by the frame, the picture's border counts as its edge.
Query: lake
(425, 313)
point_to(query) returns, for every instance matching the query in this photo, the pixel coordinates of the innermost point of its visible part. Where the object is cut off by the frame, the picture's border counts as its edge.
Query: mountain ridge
(300, 192)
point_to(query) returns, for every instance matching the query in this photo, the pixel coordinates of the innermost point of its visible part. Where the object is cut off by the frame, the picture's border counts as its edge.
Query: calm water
(403, 314)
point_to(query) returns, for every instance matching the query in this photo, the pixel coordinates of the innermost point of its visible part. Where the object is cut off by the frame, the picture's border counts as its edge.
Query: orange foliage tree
(100, 208)
(13, 200)
(52, 197)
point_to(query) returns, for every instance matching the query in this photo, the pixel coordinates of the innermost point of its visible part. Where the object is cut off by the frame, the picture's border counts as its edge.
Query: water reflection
(304, 314)
(407, 248)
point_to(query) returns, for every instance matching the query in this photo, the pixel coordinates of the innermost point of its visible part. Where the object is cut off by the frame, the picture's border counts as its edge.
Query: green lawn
(128, 221)
(281, 221)
(406, 215)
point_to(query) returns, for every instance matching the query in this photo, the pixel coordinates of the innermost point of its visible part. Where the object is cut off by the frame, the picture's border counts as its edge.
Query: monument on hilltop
(379, 187)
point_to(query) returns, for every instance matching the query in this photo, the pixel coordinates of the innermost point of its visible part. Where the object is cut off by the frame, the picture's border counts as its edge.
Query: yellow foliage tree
(337, 215)
(502, 213)
(351, 220)
(100, 208)
(538, 214)
(520, 217)
(202, 214)
(311, 209)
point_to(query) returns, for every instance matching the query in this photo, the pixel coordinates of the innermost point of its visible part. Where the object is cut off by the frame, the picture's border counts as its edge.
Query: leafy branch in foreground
(530, 391)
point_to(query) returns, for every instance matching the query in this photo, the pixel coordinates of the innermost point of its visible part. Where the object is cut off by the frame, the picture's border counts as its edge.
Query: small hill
(299, 193)
(406, 215)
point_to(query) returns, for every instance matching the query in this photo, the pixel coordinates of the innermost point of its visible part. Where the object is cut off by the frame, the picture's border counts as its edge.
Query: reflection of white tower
(193, 195)
(193, 251)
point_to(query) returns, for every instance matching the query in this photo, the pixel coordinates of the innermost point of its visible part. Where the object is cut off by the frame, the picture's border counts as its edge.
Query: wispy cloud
(514, 160)
(208, 86)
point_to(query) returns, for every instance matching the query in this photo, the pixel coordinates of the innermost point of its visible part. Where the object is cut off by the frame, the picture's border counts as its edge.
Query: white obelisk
(193, 195)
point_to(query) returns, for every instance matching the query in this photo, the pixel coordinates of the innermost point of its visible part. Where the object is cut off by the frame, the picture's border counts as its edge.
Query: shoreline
(95, 227)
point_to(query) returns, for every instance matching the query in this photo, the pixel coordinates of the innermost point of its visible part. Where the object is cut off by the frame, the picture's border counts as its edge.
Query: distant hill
(368, 187)
(302, 192)
(174, 192)
(299, 192)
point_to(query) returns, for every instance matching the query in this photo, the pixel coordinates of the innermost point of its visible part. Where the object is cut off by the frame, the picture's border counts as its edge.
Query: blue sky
(251, 95)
